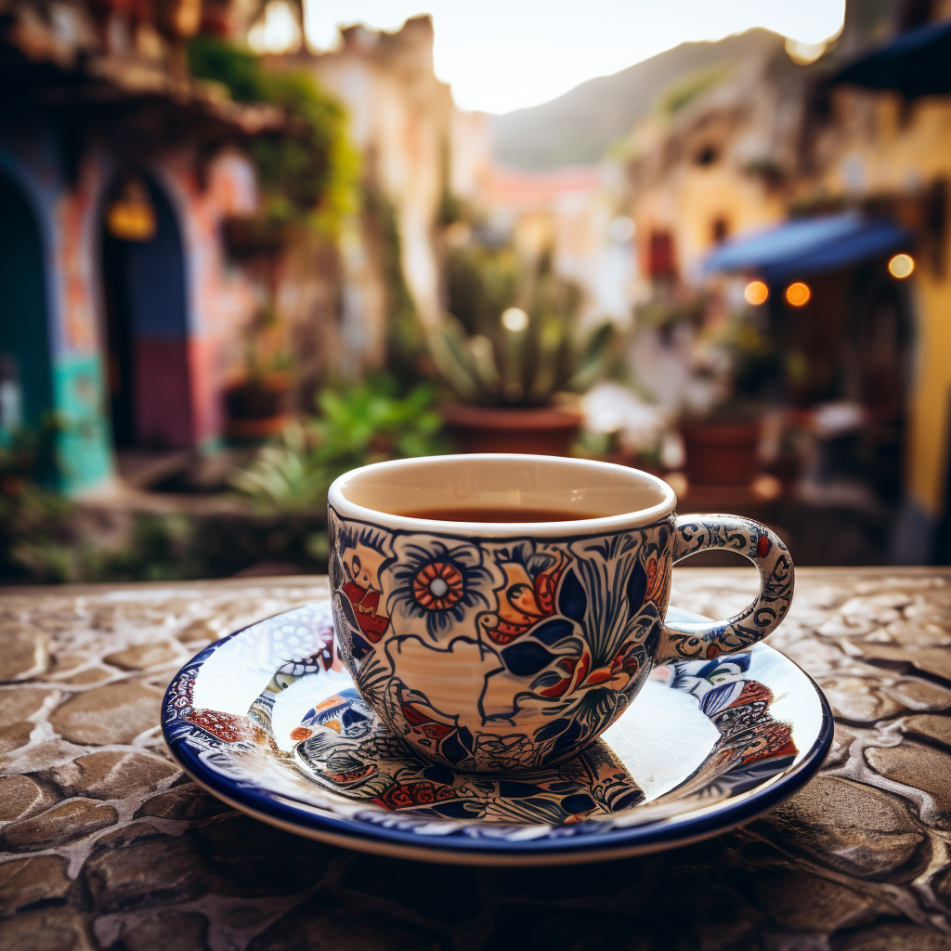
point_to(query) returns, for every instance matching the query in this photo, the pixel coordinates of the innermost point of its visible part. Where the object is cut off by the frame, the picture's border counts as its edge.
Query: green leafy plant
(493, 352)
(31, 513)
(366, 423)
(47, 538)
(743, 366)
(406, 342)
(309, 171)
(664, 313)
(682, 93)
(33, 520)
(265, 347)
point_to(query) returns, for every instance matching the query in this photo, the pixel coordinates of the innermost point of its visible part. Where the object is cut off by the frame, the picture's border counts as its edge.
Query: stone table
(104, 843)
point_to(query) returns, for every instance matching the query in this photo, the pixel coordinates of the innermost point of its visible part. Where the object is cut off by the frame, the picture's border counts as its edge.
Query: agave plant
(496, 353)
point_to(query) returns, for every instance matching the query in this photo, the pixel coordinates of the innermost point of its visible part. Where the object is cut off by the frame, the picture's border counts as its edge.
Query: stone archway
(26, 392)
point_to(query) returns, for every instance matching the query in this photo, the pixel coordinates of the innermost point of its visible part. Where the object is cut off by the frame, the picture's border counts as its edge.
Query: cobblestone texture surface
(105, 844)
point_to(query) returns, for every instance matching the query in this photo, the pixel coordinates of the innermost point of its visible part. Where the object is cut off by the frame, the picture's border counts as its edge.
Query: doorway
(143, 266)
(26, 392)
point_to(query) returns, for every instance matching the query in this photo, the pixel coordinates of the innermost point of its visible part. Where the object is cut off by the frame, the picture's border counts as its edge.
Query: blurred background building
(116, 170)
(229, 271)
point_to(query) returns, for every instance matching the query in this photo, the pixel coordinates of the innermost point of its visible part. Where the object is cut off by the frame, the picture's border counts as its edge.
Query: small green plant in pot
(357, 425)
(511, 351)
(257, 404)
(721, 440)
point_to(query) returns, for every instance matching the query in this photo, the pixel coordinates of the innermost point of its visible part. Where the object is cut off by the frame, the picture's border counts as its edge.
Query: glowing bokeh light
(277, 31)
(901, 266)
(756, 293)
(798, 294)
(514, 319)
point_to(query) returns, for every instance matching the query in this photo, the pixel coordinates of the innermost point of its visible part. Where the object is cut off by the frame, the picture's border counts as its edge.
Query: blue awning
(917, 63)
(808, 246)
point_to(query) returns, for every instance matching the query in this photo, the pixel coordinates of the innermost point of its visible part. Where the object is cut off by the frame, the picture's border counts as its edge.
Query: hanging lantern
(130, 215)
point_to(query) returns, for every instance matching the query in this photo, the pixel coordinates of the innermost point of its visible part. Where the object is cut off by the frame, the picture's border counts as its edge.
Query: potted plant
(740, 366)
(255, 238)
(257, 403)
(360, 424)
(511, 367)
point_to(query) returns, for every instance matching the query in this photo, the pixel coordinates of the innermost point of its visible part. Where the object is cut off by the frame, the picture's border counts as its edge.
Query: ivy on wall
(309, 172)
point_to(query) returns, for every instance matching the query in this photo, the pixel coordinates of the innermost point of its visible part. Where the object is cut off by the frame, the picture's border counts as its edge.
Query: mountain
(579, 126)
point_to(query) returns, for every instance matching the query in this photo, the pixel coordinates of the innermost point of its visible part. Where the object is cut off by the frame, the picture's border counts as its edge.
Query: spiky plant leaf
(594, 358)
(448, 346)
(484, 363)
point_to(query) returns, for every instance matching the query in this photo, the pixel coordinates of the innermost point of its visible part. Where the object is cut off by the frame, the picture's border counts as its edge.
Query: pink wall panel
(206, 386)
(163, 395)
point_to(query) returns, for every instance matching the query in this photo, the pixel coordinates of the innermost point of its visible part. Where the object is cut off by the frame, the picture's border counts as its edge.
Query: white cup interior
(577, 487)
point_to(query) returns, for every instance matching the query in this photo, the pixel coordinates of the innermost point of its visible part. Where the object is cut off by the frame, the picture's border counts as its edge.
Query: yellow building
(864, 132)
(711, 166)
(889, 149)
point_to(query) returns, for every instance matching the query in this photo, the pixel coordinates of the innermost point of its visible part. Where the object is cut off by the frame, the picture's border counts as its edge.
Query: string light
(514, 319)
(756, 293)
(798, 294)
(901, 266)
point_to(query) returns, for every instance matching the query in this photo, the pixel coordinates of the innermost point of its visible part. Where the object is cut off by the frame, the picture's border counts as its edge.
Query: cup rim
(605, 524)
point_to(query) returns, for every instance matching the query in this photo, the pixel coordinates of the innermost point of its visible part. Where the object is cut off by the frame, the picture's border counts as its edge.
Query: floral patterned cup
(501, 646)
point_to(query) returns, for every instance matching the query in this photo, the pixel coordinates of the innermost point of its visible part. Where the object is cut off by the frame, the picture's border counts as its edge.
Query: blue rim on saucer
(268, 720)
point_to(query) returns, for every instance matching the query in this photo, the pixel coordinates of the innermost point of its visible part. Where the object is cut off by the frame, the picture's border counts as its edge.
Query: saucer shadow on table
(268, 720)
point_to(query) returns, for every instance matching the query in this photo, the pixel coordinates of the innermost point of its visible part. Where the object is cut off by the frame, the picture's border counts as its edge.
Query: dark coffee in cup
(508, 515)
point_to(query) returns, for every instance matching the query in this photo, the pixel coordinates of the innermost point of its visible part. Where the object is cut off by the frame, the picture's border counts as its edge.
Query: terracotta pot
(540, 431)
(250, 236)
(257, 409)
(254, 430)
(721, 453)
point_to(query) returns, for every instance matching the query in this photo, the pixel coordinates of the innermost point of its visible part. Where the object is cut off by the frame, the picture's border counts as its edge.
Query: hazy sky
(500, 55)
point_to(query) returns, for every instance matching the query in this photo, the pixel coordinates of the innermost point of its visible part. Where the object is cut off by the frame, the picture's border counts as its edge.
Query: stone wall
(401, 122)
(105, 843)
(717, 163)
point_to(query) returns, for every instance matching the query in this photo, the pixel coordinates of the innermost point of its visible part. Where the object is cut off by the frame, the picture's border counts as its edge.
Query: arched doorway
(880, 376)
(144, 283)
(25, 376)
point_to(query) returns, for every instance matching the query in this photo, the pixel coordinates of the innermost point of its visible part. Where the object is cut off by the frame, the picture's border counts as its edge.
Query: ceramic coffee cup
(501, 646)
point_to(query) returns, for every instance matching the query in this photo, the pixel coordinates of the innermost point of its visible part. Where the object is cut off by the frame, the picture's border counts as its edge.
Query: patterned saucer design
(268, 720)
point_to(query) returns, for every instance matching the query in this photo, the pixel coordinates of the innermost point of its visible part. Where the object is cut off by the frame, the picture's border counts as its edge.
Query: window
(660, 260)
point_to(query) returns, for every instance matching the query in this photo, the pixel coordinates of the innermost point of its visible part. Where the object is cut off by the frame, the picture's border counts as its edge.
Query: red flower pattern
(438, 586)
(408, 795)
(223, 726)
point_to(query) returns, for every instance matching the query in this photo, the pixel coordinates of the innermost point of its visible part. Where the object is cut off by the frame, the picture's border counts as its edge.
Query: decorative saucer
(268, 720)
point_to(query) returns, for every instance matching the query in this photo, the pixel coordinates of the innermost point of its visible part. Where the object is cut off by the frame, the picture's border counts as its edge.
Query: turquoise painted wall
(84, 443)
(60, 375)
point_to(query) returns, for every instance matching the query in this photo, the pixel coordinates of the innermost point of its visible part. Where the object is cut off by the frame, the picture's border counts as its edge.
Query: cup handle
(703, 640)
